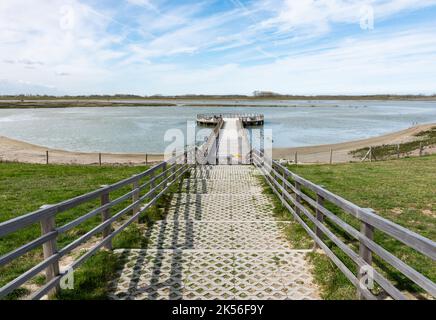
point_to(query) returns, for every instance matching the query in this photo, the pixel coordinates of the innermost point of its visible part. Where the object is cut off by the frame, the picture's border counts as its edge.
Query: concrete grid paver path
(220, 240)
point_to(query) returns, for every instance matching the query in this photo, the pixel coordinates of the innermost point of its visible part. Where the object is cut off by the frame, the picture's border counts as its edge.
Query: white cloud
(96, 51)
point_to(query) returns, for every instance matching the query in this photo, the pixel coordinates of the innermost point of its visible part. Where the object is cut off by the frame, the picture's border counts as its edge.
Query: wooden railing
(307, 202)
(147, 188)
(203, 152)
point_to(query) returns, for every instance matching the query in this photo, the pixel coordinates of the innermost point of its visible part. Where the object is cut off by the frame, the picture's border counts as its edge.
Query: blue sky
(217, 47)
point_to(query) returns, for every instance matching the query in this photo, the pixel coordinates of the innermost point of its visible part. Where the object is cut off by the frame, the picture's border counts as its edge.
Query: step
(225, 172)
(220, 207)
(201, 186)
(209, 275)
(218, 235)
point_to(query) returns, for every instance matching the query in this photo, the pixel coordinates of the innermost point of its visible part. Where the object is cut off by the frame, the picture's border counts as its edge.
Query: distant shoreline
(188, 102)
(20, 151)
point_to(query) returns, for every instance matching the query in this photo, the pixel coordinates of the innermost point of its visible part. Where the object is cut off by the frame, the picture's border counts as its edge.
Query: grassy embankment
(24, 188)
(399, 190)
(391, 151)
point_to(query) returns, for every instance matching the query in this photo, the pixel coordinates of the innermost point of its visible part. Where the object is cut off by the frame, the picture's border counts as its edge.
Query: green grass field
(402, 191)
(25, 187)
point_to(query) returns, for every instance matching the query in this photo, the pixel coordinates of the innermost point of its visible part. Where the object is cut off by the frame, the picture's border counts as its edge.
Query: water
(142, 129)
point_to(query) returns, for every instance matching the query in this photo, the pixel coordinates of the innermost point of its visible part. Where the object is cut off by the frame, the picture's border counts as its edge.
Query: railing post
(297, 197)
(135, 197)
(152, 185)
(285, 178)
(319, 217)
(164, 169)
(105, 215)
(49, 249)
(364, 252)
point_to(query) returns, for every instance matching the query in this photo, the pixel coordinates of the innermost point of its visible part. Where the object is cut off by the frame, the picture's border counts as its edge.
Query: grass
(390, 151)
(399, 190)
(25, 187)
(92, 278)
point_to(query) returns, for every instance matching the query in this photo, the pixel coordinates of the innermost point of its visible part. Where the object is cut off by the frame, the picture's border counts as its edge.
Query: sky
(149, 47)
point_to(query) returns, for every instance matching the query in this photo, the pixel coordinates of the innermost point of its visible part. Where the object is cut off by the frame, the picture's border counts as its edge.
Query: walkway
(234, 147)
(219, 241)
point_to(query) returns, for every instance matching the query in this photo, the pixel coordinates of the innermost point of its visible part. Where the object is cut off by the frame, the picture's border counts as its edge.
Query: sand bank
(321, 153)
(19, 151)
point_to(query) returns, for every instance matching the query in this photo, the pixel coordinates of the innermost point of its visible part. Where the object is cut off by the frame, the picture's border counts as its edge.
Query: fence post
(105, 215)
(331, 156)
(99, 159)
(46, 157)
(296, 157)
(49, 248)
(135, 197)
(146, 159)
(398, 151)
(364, 252)
(319, 217)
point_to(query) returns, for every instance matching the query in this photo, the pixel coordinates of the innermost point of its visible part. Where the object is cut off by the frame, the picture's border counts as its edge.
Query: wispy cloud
(231, 46)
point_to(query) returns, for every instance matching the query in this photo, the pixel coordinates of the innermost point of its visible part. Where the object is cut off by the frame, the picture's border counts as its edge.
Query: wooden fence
(147, 188)
(307, 202)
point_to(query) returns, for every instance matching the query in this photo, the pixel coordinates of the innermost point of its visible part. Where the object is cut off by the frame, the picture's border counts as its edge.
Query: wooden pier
(248, 119)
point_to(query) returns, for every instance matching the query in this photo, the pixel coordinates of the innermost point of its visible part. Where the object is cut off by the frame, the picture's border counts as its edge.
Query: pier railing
(246, 118)
(313, 207)
(145, 189)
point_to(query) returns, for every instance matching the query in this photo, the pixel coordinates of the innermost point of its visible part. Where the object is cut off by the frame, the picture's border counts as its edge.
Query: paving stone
(219, 240)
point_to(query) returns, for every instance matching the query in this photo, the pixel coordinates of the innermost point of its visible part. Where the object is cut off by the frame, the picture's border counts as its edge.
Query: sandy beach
(19, 151)
(321, 153)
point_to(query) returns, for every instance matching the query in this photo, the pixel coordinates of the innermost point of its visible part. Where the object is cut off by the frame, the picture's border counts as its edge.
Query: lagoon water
(142, 129)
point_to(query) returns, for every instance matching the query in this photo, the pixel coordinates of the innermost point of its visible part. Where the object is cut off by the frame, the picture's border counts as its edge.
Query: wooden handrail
(277, 176)
(158, 185)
